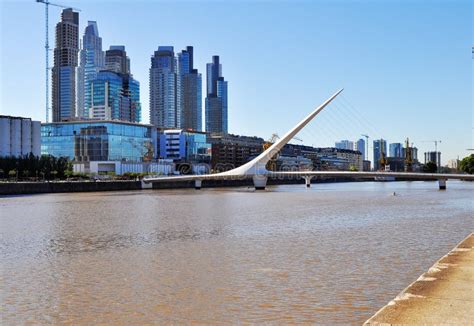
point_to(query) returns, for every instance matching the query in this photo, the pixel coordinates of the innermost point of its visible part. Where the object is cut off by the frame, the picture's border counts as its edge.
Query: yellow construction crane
(273, 138)
(383, 160)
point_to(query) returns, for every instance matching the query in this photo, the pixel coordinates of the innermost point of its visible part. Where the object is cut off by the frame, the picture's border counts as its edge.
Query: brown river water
(332, 254)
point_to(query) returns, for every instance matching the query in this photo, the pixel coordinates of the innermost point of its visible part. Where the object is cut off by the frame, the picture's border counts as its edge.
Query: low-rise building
(114, 146)
(230, 151)
(19, 136)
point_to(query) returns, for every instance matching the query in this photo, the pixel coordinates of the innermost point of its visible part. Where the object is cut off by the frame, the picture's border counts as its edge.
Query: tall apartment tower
(189, 92)
(91, 62)
(216, 99)
(360, 146)
(114, 94)
(380, 148)
(65, 65)
(164, 111)
(116, 60)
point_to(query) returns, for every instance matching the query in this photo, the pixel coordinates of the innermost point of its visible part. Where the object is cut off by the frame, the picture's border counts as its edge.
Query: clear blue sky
(406, 66)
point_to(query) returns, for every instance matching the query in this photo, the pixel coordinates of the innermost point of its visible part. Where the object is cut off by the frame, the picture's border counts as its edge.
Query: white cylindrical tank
(5, 136)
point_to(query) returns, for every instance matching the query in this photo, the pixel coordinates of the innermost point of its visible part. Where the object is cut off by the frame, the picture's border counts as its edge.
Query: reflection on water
(334, 253)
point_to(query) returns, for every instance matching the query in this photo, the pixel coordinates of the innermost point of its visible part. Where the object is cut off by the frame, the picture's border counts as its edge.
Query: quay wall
(22, 188)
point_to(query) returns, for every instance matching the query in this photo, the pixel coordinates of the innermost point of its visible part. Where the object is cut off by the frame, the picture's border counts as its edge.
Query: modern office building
(115, 96)
(216, 99)
(345, 144)
(189, 91)
(104, 146)
(433, 157)
(19, 136)
(396, 150)
(182, 145)
(414, 153)
(380, 147)
(65, 65)
(91, 62)
(360, 146)
(164, 111)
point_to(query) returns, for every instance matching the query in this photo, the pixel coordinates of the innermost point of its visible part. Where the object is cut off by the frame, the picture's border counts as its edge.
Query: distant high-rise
(345, 144)
(360, 146)
(114, 94)
(189, 92)
(396, 150)
(116, 60)
(216, 99)
(91, 62)
(163, 98)
(380, 146)
(65, 65)
(433, 157)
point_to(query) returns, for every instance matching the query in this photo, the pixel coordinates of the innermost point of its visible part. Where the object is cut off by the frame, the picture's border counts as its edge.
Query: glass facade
(216, 100)
(185, 146)
(91, 62)
(98, 141)
(115, 97)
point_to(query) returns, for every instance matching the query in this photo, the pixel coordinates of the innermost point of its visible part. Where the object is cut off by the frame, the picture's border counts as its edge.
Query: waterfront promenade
(442, 295)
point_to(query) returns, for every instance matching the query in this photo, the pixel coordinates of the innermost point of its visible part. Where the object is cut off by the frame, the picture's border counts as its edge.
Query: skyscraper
(114, 94)
(91, 62)
(163, 98)
(360, 146)
(380, 148)
(396, 150)
(189, 92)
(65, 65)
(116, 60)
(216, 99)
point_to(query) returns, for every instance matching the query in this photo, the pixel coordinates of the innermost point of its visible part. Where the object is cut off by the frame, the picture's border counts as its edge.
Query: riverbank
(442, 295)
(23, 188)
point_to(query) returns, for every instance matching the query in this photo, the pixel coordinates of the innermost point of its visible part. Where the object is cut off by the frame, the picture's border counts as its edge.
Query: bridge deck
(442, 295)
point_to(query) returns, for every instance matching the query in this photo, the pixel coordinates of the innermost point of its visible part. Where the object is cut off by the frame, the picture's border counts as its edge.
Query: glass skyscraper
(65, 65)
(189, 91)
(380, 146)
(115, 95)
(396, 150)
(163, 96)
(216, 99)
(91, 62)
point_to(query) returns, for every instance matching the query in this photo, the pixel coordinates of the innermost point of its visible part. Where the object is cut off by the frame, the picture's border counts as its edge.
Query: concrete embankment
(21, 188)
(444, 295)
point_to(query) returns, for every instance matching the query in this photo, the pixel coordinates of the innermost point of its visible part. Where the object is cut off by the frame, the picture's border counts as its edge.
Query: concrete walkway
(442, 295)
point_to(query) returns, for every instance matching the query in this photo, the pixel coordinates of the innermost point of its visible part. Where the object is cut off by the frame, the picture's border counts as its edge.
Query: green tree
(430, 167)
(467, 164)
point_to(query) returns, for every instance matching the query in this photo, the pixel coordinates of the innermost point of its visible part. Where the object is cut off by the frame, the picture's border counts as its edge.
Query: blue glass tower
(380, 146)
(91, 62)
(163, 96)
(216, 100)
(115, 95)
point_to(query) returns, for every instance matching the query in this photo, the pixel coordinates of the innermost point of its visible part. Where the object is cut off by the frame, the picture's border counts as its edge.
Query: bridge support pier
(442, 184)
(197, 184)
(307, 180)
(260, 182)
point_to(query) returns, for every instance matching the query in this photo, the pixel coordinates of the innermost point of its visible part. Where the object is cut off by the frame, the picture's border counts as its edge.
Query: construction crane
(46, 45)
(367, 145)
